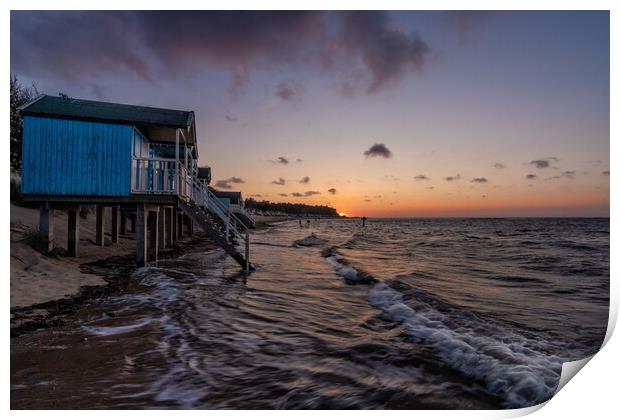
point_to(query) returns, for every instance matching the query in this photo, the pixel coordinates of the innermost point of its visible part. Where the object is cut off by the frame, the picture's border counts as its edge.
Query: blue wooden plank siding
(70, 157)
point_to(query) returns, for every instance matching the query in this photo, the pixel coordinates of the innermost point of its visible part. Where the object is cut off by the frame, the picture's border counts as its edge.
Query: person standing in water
(300, 225)
(363, 221)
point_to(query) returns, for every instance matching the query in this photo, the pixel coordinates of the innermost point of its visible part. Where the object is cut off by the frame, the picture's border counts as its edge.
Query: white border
(592, 394)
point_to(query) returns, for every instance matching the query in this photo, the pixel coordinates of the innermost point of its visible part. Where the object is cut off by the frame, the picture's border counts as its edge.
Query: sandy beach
(36, 278)
(47, 288)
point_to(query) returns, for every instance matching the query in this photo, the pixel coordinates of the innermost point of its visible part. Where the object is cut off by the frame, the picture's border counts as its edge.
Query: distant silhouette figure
(308, 223)
(364, 221)
(300, 225)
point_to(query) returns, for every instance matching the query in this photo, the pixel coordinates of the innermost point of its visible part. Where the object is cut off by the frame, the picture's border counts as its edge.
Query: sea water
(419, 313)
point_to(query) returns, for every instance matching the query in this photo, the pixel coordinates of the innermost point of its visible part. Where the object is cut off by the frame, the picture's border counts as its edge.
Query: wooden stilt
(123, 224)
(99, 235)
(169, 227)
(161, 229)
(174, 225)
(115, 224)
(152, 235)
(179, 222)
(140, 224)
(190, 226)
(73, 231)
(46, 226)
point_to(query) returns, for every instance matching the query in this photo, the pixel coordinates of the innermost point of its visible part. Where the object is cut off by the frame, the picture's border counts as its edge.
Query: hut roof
(234, 196)
(57, 106)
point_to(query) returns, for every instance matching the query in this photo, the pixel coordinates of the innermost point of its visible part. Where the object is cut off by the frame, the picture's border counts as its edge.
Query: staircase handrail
(200, 188)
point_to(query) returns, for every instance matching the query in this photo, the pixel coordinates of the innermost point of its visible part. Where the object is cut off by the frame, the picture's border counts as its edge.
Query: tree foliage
(290, 208)
(20, 95)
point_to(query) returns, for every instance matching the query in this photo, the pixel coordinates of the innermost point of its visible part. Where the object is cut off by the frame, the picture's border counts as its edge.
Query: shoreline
(116, 275)
(112, 274)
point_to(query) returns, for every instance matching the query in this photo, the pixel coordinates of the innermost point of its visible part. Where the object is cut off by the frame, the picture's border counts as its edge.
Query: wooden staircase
(217, 221)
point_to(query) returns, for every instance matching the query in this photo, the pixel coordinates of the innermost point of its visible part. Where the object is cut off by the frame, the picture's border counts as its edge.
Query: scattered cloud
(288, 91)
(499, 165)
(543, 163)
(305, 194)
(304, 180)
(226, 184)
(378, 149)
(298, 160)
(453, 178)
(281, 160)
(332, 191)
(540, 163)
(421, 177)
(231, 118)
(481, 180)
(283, 194)
(368, 200)
(531, 176)
(569, 174)
(430, 188)
(279, 181)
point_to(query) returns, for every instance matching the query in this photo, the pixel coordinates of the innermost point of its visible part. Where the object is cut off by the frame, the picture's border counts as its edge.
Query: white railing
(197, 191)
(237, 208)
(153, 175)
(168, 176)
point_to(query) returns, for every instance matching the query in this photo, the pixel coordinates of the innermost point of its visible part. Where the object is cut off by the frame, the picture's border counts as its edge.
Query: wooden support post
(46, 226)
(73, 231)
(161, 229)
(173, 225)
(115, 224)
(179, 222)
(152, 235)
(132, 223)
(169, 227)
(123, 227)
(140, 224)
(190, 227)
(99, 236)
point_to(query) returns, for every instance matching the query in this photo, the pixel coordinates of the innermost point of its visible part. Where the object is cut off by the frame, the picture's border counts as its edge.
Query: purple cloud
(378, 149)
(226, 184)
(149, 44)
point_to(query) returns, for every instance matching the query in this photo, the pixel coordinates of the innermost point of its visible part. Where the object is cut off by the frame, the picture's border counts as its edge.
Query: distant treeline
(290, 208)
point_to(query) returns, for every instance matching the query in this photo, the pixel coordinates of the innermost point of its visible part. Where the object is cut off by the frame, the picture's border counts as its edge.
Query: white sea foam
(343, 270)
(509, 365)
(120, 329)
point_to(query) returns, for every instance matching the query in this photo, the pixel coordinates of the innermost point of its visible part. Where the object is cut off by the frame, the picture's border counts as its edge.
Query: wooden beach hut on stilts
(139, 163)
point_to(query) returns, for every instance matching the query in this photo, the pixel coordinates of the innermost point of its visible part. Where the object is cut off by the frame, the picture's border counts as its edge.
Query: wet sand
(51, 363)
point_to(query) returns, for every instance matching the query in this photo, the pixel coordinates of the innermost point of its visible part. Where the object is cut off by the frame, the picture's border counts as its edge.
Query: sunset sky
(374, 113)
